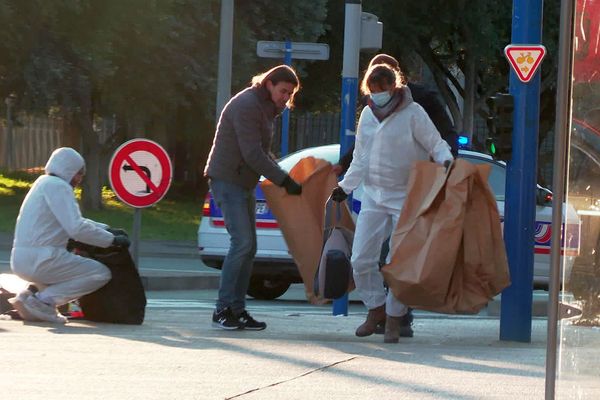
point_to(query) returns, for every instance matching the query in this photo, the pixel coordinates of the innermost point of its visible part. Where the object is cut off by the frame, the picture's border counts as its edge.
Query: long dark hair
(280, 73)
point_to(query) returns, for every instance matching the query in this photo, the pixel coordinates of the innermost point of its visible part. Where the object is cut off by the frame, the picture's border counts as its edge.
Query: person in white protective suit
(393, 133)
(48, 217)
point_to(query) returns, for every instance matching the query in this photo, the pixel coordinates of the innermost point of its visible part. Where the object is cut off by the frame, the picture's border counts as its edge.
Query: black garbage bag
(122, 300)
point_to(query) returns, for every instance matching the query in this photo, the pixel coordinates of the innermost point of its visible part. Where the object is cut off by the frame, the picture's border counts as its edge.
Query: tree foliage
(150, 64)
(460, 43)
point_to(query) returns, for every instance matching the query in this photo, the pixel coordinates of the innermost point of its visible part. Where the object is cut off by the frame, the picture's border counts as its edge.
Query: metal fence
(308, 130)
(316, 129)
(35, 137)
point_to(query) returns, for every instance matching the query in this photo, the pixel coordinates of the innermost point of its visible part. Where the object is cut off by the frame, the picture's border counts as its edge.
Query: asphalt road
(305, 353)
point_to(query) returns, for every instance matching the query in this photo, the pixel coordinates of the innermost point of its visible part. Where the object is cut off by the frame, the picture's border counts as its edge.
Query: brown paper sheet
(302, 218)
(448, 254)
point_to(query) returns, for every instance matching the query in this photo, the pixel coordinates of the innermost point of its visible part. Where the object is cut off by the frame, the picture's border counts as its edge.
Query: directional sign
(140, 172)
(525, 59)
(300, 50)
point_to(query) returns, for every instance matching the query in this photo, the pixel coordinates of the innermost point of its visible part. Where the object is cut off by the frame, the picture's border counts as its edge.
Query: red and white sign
(525, 59)
(140, 172)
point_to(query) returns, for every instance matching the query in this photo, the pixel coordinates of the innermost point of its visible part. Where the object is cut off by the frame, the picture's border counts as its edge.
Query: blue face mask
(381, 99)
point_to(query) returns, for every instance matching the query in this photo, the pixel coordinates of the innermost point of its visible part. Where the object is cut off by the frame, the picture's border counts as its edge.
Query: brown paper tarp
(302, 218)
(448, 254)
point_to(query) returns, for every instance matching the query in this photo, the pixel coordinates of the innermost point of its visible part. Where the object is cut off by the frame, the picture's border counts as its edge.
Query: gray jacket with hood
(240, 150)
(50, 215)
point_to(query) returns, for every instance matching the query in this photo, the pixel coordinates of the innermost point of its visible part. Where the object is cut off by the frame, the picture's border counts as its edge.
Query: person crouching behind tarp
(49, 216)
(393, 132)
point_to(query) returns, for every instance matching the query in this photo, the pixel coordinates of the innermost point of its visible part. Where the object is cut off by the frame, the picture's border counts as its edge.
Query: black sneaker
(250, 323)
(225, 319)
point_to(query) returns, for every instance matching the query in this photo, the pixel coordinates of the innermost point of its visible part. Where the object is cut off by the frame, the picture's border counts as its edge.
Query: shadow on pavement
(469, 345)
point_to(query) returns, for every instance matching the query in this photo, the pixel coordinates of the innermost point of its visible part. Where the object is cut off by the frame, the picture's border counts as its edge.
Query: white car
(274, 270)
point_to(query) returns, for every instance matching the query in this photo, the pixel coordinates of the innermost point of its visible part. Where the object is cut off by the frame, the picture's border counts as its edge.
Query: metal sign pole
(349, 93)
(135, 236)
(225, 55)
(563, 105)
(285, 117)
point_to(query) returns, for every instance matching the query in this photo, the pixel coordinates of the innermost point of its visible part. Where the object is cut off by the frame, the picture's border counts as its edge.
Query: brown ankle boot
(375, 316)
(392, 329)
(397, 327)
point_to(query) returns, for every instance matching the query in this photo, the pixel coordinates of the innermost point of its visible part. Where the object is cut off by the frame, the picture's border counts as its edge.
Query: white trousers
(373, 226)
(64, 275)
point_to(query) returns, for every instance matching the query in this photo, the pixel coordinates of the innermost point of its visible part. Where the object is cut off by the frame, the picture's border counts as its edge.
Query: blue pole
(352, 18)
(285, 117)
(340, 306)
(347, 126)
(521, 177)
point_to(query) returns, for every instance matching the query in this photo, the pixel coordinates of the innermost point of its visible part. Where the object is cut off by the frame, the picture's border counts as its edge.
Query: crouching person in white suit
(49, 216)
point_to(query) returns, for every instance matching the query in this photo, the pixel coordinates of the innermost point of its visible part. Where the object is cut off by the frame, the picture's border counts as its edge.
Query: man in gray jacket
(239, 156)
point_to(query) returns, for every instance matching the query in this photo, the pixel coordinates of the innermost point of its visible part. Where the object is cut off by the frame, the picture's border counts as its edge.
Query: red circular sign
(140, 172)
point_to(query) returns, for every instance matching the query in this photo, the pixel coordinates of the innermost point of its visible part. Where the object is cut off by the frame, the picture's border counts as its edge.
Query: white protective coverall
(49, 216)
(383, 156)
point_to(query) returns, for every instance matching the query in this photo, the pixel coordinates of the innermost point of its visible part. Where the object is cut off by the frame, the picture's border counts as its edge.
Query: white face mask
(381, 99)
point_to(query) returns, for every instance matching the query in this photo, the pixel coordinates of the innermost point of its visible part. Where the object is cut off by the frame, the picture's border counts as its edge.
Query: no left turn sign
(140, 172)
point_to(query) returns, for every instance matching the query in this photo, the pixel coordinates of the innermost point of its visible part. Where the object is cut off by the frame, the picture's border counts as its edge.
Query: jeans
(239, 212)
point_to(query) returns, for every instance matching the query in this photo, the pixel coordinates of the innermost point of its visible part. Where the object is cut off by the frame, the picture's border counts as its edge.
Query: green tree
(461, 44)
(150, 64)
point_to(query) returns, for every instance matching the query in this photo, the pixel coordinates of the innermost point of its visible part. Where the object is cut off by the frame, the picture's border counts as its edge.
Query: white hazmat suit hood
(50, 215)
(64, 163)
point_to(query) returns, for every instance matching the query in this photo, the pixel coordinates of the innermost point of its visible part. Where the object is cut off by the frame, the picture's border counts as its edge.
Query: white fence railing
(33, 140)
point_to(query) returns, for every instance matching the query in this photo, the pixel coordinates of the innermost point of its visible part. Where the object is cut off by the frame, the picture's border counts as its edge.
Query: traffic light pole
(521, 179)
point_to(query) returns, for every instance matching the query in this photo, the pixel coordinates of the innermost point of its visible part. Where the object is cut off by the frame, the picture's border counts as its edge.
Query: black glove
(121, 241)
(291, 186)
(447, 164)
(117, 231)
(338, 194)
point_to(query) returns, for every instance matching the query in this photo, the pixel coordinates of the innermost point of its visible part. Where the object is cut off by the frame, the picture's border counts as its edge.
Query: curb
(539, 306)
(201, 281)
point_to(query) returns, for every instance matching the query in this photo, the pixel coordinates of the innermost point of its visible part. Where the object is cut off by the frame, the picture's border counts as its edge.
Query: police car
(274, 270)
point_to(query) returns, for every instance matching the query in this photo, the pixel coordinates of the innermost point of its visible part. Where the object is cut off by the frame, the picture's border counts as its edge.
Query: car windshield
(329, 153)
(497, 178)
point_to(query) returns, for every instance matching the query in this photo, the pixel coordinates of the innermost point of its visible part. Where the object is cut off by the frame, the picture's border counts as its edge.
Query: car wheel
(266, 289)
